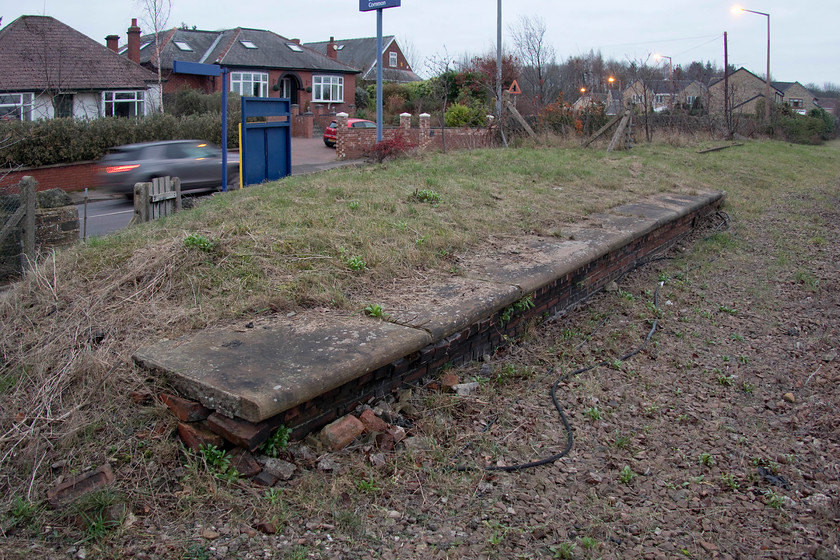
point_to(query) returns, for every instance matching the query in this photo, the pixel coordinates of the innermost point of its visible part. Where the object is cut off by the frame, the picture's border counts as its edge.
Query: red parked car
(329, 132)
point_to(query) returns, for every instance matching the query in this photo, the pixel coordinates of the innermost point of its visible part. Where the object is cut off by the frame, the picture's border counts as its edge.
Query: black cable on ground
(566, 425)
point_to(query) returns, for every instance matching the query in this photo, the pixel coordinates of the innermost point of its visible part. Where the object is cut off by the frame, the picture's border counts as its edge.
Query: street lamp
(670, 77)
(739, 10)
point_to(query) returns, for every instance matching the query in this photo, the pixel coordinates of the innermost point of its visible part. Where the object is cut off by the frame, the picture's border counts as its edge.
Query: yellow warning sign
(514, 88)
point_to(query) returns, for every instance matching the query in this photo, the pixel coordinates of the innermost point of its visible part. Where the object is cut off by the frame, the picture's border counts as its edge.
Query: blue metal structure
(267, 143)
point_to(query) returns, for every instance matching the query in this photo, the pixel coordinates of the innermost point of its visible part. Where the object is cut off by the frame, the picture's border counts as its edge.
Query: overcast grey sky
(804, 43)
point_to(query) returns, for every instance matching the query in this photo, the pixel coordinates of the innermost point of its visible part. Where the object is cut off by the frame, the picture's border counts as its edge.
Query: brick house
(797, 96)
(745, 91)
(361, 54)
(50, 70)
(638, 93)
(691, 93)
(261, 64)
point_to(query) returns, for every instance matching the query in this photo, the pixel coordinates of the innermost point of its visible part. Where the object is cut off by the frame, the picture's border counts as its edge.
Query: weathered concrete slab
(533, 263)
(528, 263)
(445, 305)
(255, 373)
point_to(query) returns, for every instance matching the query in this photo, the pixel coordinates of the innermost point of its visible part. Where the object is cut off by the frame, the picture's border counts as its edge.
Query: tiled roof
(361, 53)
(226, 48)
(40, 53)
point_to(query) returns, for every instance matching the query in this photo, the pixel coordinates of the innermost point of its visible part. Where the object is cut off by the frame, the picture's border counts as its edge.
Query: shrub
(390, 147)
(465, 115)
(801, 129)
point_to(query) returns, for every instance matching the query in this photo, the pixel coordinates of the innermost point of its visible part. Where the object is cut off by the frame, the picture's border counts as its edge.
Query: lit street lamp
(739, 10)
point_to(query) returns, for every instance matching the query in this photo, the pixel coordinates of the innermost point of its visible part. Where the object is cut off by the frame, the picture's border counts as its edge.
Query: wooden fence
(156, 199)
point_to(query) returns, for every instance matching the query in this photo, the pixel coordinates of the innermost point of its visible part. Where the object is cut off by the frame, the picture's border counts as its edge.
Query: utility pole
(726, 116)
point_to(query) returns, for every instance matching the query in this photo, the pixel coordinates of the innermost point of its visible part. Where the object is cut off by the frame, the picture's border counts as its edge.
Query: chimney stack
(134, 42)
(332, 51)
(113, 42)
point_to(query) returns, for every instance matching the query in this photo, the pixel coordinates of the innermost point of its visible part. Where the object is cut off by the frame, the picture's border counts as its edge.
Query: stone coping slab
(255, 373)
(443, 305)
(281, 362)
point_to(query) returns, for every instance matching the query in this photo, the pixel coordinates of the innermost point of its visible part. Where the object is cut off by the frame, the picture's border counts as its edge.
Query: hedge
(52, 141)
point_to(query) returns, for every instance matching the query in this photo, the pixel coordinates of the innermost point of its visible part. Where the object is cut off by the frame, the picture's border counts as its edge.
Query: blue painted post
(224, 129)
(379, 75)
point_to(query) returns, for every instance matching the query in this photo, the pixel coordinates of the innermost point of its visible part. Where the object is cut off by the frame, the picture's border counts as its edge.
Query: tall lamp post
(738, 10)
(670, 78)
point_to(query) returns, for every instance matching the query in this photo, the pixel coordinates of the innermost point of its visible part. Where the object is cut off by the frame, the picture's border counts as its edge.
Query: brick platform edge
(469, 344)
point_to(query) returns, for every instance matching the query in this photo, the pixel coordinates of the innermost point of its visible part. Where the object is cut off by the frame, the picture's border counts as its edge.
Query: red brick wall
(356, 142)
(70, 177)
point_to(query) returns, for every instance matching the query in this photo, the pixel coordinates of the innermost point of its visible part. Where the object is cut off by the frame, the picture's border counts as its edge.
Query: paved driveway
(310, 155)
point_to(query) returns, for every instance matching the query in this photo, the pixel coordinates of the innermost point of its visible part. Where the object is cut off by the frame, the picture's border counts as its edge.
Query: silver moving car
(197, 163)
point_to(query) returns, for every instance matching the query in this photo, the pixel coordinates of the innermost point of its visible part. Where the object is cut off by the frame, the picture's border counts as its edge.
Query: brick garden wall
(67, 177)
(470, 344)
(352, 143)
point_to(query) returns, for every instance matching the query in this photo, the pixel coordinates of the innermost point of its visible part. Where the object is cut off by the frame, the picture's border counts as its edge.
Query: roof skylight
(248, 44)
(183, 46)
(295, 47)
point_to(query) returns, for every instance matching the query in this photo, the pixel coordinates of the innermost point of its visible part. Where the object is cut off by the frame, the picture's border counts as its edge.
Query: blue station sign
(368, 5)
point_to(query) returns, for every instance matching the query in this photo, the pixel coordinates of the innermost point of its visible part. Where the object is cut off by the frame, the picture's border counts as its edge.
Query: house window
(17, 106)
(660, 98)
(637, 98)
(690, 99)
(124, 103)
(249, 84)
(797, 103)
(183, 46)
(328, 89)
(392, 59)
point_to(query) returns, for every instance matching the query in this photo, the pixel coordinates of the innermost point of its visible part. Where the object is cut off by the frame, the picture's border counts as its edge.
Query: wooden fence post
(28, 201)
(141, 203)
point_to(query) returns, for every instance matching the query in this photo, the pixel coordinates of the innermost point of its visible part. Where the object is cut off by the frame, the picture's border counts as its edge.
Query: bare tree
(537, 58)
(155, 16)
(411, 54)
(645, 76)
